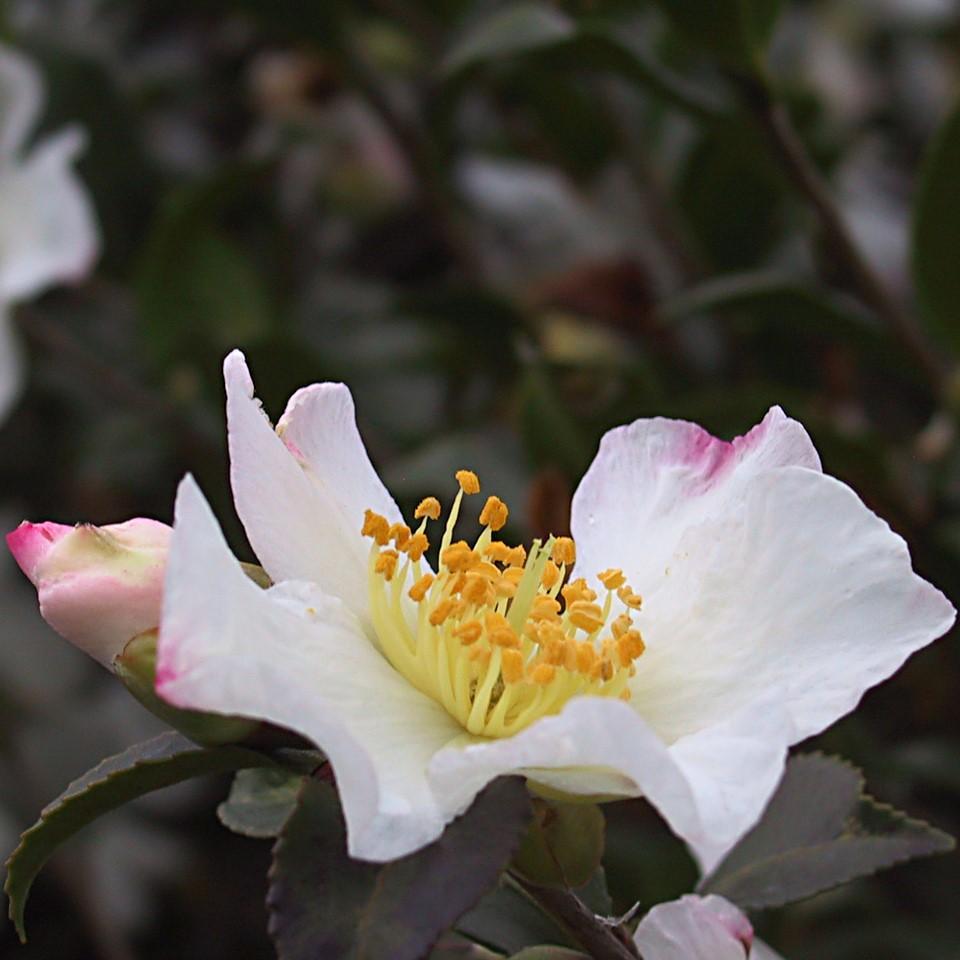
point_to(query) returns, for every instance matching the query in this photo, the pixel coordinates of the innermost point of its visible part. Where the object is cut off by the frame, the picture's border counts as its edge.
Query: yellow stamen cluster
(499, 636)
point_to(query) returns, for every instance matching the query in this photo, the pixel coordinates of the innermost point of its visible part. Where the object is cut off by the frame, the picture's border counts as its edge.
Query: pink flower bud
(696, 928)
(98, 586)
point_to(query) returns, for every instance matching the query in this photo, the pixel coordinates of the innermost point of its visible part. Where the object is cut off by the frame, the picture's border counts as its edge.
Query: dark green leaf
(516, 28)
(549, 953)
(157, 763)
(324, 904)
(734, 31)
(936, 234)
(819, 830)
(260, 801)
(564, 844)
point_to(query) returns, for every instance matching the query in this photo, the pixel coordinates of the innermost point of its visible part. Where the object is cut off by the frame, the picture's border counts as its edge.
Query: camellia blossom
(98, 587)
(717, 603)
(48, 231)
(699, 928)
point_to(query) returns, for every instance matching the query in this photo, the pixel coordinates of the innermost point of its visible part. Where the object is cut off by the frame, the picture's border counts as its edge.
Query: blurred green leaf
(936, 234)
(734, 31)
(564, 844)
(260, 801)
(515, 28)
(549, 953)
(324, 904)
(161, 762)
(819, 830)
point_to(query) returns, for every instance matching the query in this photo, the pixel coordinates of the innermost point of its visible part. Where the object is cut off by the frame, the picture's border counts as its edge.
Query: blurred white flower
(48, 232)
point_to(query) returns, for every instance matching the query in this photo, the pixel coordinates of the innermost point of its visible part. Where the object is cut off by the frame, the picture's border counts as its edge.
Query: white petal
(710, 788)
(654, 479)
(695, 928)
(11, 363)
(763, 951)
(21, 96)
(799, 589)
(48, 231)
(302, 498)
(298, 658)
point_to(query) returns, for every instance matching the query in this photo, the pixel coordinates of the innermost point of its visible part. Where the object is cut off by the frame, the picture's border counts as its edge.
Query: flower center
(499, 637)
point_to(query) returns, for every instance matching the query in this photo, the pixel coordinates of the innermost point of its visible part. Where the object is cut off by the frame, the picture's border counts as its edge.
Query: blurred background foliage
(508, 226)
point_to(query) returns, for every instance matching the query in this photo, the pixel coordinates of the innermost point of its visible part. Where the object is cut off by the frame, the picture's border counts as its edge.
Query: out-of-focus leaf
(260, 801)
(161, 762)
(734, 31)
(564, 844)
(936, 234)
(819, 830)
(549, 953)
(516, 28)
(552, 435)
(507, 921)
(196, 286)
(324, 904)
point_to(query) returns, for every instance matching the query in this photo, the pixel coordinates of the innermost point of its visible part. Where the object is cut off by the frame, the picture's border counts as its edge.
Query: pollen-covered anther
(499, 631)
(375, 526)
(577, 590)
(478, 590)
(496, 551)
(629, 647)
(459, 556)
(441, 611)
(428, 507)
(494, 514)
(551, 575)
(543, 674)
(469, 481)
(564, 551)
(386, 563)
(399, 533)
(612, 579)
(621, 625)
(631, 599)
(585, 615)
(419, 590)
(416, 546)
(469, 632)
(545, 608)
(516, 556)
(511, 666)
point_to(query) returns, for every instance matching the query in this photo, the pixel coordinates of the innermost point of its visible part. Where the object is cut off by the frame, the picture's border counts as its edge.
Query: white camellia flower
(48, 231)
(699, 928)
(772, 599)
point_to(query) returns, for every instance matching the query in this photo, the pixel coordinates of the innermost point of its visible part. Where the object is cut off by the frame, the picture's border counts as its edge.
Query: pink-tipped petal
(31, 542)
(695, 928)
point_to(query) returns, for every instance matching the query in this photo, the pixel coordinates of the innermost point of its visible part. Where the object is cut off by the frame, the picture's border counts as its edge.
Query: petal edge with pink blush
(718, 602)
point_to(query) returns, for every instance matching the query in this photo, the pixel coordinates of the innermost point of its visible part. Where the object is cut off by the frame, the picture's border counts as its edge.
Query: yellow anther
(625, 694)
(570, 654)
(468, 480)
(386, 563)
(631, 599)
(516, 557)
(505, 588)
(497, 551)
(511, 666)
(564, 551)
(585, 615)
(586, 657)
(612, 578)
(428, 507)
(545, 608)
(441, 611)
(375, 526)
(416, 546)
(419, 590)
(513, 575)
(494, 514)
(543, 673)
(469, 632)
(601, 670)
(400, 534)
(629, 647)
(621, 625)
(551, 575)
(499, 631)
(479, 654)
(577, 590)
(487, 570)
(458, 556)
(478, 590)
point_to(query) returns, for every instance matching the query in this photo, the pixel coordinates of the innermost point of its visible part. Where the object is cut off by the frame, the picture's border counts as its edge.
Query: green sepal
(564, 845)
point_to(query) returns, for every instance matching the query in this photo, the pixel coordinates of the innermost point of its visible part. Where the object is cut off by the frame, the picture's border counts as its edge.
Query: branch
(789, 150)
(602, 941)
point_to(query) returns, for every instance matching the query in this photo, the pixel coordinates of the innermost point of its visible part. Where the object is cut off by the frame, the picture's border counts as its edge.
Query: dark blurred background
(505, 239)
